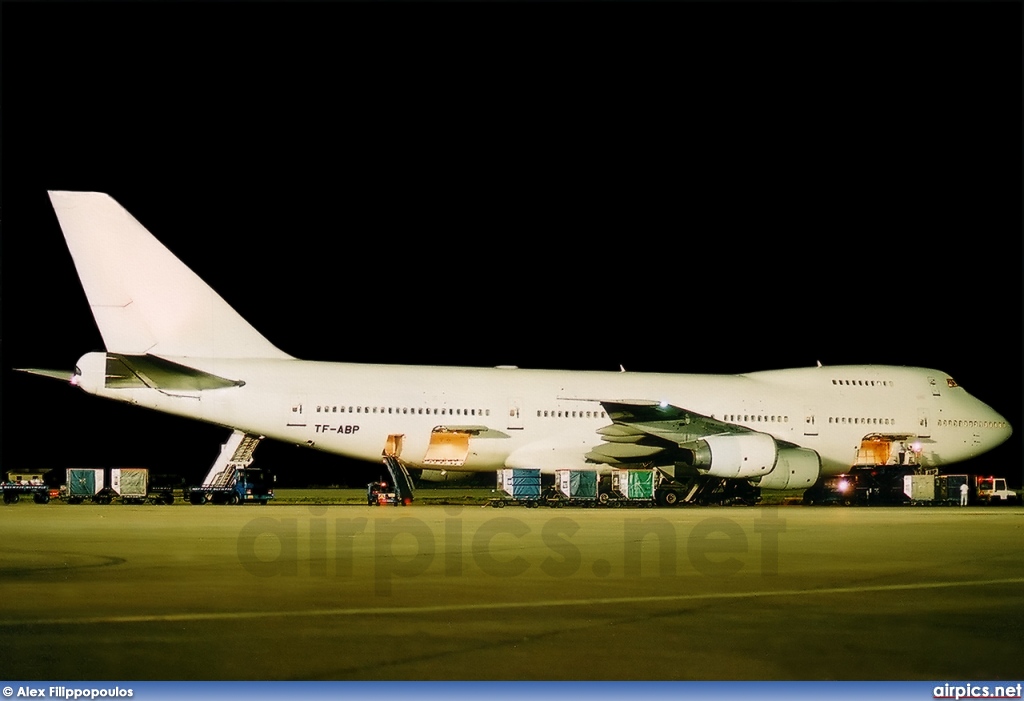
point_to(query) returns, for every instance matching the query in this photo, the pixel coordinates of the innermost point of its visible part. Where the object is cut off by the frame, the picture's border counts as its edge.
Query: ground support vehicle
(907, 485)
(236, 485)
(231, 480)
(706, 490)
(129, 485)
(993, 490)
(400, 492)
(868, 485)
(519, 486)
(14, 491)
(381, 494)
(162, 488)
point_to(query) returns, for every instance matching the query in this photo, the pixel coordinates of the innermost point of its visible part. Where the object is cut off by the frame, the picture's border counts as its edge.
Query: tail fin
(143, 298)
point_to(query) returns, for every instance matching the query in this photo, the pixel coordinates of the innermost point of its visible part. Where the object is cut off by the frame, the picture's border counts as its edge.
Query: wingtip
(63, 375)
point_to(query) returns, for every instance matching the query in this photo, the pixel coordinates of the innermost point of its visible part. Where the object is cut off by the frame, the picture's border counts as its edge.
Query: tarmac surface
(302, 592)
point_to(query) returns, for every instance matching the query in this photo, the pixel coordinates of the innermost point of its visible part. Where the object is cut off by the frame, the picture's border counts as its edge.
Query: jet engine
(735, 455)
(796, 468)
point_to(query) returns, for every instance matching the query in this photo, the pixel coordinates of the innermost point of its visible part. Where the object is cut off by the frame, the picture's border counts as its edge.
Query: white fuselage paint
(549, 418)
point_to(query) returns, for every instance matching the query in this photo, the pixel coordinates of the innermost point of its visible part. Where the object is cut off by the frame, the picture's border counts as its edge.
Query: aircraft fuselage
(549, 418)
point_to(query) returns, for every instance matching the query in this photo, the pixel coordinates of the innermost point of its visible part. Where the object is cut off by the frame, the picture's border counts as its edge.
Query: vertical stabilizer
(144, 299)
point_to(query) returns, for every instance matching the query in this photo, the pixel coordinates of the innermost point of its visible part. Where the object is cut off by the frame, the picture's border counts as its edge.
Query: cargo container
(86, 483)
(919, 487)
(131, 484)
(518, 485)
(577, 484)
(634, 484)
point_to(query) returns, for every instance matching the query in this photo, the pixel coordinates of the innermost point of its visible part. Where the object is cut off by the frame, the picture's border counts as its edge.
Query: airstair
(400, 479)
(235, 454)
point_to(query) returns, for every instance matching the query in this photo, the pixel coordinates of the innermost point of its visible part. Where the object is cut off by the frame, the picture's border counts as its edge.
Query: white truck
(992, 490)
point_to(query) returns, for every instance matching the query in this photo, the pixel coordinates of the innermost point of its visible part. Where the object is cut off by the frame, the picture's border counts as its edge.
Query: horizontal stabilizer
(127, 371)
(55, 374)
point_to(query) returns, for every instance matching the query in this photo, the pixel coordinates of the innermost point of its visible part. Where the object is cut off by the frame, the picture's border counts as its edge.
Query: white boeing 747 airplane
(174, 345)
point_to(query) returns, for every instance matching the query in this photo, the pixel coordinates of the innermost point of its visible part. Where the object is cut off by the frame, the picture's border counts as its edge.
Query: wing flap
(644, 431)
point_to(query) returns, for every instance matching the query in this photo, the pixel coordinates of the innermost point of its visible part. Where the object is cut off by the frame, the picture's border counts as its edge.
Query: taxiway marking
(451, 608)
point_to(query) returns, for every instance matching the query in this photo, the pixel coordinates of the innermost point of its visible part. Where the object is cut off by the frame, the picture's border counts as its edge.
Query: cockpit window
(951, 382)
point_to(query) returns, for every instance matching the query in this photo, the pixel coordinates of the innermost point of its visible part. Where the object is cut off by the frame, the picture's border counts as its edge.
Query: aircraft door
(923, 424)
(810, 423)
(295, 416)
(515, 419)
(393, 445)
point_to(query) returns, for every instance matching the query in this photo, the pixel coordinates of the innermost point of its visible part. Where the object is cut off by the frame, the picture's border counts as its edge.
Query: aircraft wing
(64, 375)
(127, 371)
(644, 431)
(136, 371)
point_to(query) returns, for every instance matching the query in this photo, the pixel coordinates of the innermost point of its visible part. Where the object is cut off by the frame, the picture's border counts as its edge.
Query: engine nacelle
(795, 468)
(736, 455)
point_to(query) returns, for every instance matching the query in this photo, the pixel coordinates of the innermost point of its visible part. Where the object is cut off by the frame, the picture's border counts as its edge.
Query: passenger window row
(421, 411)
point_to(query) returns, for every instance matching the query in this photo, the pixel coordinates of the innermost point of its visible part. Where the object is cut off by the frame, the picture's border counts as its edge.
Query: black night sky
(678, 188)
